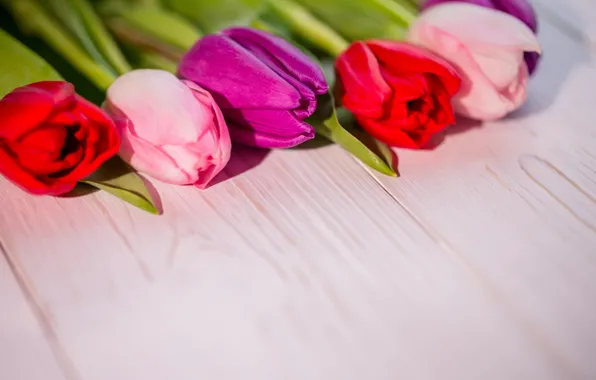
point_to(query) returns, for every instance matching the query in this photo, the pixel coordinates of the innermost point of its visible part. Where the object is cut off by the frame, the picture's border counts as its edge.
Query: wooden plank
(516, 201)
(28, 349)
(573, 17)
(302, 268)
(477, 263)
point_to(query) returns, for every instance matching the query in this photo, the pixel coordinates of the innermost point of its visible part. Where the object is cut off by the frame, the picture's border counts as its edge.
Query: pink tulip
(487, 48)
(171, 130)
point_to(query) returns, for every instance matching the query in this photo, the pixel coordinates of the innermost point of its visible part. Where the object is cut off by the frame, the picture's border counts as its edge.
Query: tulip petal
(39, 150)
(401, 57)
(219, 64)
(272, 128)
(500, 66)
(522, 9)
(102, 140)
(62, 93)
(475, 25)
(150, 159)
(392, 132)
(159, 102)
(487, 55)
(26, 107)
(189, 160)
(485, 3)
(174, 131)
(219, 136)
(478, 97)
(532, 60)
(287, 61)
(27, 181)
(360, 72)
(198, 167)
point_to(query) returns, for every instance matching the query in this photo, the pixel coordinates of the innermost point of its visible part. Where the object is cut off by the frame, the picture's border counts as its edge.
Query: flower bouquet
(101, 93)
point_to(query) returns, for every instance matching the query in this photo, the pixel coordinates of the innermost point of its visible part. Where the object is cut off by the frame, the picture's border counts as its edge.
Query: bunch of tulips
(172, 85)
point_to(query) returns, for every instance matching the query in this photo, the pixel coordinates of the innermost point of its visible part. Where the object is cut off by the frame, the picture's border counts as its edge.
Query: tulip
(486, 47)
(399, 93)
(266, 87)
(51, 138)
(522, 9)
(171, 130)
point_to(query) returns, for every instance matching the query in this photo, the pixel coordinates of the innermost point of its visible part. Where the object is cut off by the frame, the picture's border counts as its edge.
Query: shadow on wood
(462, 125)
(243, 159)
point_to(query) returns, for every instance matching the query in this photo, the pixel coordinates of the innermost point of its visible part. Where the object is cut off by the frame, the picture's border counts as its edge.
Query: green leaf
(79, 18)
(100, 36)
(118, 179)
(328, 66)
(266, 26)
(156, 61)
(212, 16)
(347, 120)
(20, 66)
(68, 16)
(162, 25)
(363, 19)
(270, 24)
(302, 22)
(34, 19)
(371, 152)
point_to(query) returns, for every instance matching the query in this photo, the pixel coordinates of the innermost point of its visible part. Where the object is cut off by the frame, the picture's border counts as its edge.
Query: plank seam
(65, 363)
(534, 334)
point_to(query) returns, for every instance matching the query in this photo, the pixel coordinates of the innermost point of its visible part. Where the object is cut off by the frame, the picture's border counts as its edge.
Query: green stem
(65, 13)
(149, 3)
(263, 25)
(414, 4)
(334, 131)
(135, 37)
(162, 25)
(156, 61)
(101, 36)
(35, 19)
(154, 29)
(309, 27)
(404, 13)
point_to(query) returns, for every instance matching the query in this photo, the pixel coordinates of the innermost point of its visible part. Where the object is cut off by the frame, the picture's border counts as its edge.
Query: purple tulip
(522, 9)
(264, 86)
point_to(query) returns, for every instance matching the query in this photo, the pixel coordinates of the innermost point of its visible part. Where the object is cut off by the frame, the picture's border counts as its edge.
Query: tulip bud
(489, 60)
(171, 130)
(521, 9)
(51, 138)
(399, 93)
(265, 87)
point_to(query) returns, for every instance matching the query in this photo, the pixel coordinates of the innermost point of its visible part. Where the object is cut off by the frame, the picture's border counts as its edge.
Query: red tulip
(51, 138)
(399, 93)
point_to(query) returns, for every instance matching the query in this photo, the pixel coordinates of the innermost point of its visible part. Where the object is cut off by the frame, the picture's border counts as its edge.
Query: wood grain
(286, 272)
(478, 263)
(516, 200)
(572, 17)
(24, 336)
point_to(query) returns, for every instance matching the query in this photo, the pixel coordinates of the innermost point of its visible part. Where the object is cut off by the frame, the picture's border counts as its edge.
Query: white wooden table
(478, 263)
